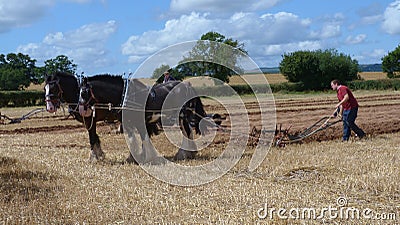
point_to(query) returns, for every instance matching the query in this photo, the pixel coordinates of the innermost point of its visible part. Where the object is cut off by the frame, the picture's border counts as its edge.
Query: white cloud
(186, 28)
(85, 45)
(371, 19)
(269, 55)
(328, 31)
(331, 26)
(291, 47)
(356, 40)
(378, 53)
(391, 23)
(257, 32)
(21, 13)
(371, 14)
(221, 6)
(372, 56)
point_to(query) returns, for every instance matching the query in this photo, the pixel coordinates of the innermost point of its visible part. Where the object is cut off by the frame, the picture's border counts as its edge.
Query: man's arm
(345, 99)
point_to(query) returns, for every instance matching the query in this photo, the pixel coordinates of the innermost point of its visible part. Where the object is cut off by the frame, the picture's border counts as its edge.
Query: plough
(24, 117)
(282, 138)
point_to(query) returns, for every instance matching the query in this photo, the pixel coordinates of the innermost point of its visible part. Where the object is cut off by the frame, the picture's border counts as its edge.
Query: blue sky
(115, 36)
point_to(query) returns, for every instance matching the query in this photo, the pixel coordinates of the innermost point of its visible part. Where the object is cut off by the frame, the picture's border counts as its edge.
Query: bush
(21, 98)
(316, 69)
(386, 84)
(391, 63)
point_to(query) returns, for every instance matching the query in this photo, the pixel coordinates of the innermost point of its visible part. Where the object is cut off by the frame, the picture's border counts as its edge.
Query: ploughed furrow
(377, 114)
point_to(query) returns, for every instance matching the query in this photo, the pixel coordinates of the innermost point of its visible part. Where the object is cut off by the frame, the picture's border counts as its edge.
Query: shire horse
(145, 109)
(60, 88)
(64, 87)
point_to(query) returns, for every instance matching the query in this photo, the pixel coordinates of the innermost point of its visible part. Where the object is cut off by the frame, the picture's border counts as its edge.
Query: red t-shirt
(351, 103)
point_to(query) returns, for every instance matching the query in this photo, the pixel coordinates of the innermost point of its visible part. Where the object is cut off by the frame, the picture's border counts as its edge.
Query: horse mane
(64, 74)
(59, 74)
(112, 79)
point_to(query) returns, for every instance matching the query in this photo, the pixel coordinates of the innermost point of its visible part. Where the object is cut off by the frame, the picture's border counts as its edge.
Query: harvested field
(276, 78)
(46, 178)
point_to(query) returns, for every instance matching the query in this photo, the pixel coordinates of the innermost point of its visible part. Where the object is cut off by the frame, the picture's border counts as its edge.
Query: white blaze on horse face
(49, 104)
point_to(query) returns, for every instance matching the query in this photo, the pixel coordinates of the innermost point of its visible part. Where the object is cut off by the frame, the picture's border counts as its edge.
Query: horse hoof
(183, 155)
(101, 157)
(92, 158)
(131, 160)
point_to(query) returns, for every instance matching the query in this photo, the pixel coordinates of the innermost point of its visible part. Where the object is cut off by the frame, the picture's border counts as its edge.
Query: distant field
(277, 78)
(373, 75)
(35, 87)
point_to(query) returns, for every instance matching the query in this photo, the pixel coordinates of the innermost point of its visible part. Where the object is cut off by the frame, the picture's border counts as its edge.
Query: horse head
(53, 93)
(61, 87)
(86, 98)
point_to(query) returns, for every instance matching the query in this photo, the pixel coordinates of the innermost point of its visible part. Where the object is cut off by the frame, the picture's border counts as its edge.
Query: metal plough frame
(24, 117)
(283, 137)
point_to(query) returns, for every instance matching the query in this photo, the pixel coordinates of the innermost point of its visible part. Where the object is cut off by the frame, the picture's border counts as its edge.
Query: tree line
(18, 71)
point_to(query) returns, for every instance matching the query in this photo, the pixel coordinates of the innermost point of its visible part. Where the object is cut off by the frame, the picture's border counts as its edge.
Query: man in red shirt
(349, 108)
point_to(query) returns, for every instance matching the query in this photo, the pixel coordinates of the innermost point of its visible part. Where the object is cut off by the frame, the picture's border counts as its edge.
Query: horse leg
(144, 155)
(120, 129)
(96, 151)
(188, 148)
(133, 146)
(149, 154)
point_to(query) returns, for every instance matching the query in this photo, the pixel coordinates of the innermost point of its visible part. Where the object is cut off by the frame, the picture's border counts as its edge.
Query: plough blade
(282, 138)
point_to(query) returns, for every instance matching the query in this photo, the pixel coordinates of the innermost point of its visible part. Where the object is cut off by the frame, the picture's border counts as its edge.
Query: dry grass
(46, 179)
(257, 79)
(279, 78)
(36, 87)
(373, 75)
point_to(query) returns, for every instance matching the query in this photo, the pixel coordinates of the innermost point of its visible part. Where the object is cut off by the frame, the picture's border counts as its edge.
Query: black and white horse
(144, 110)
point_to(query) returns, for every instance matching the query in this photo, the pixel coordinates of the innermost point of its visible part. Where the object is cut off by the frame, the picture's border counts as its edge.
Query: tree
(16, 71)
(315, 69)
(211, 58)
(158, 73)
(391, 63)
(60, 64)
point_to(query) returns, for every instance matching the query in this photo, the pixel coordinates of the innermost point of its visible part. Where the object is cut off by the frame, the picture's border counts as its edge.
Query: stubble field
(46, 178)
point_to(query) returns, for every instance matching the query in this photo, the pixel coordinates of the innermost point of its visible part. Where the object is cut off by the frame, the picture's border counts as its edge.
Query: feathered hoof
(93, 158)
(183, 155)
(96, 155)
